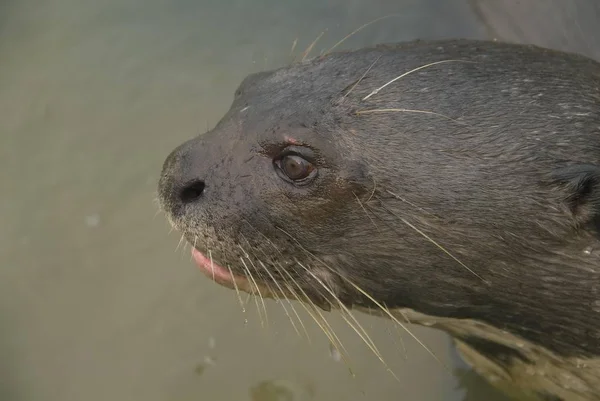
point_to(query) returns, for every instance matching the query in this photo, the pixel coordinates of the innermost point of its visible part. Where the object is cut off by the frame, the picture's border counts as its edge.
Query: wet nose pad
(192, 192)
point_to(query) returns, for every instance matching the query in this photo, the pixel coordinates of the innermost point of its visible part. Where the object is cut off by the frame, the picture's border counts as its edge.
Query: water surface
(96, 303)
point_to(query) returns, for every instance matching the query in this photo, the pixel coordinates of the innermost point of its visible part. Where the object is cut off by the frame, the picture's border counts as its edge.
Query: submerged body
(459, 180)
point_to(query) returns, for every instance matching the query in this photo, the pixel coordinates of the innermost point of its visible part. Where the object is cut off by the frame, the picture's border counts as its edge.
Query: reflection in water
(94, 302)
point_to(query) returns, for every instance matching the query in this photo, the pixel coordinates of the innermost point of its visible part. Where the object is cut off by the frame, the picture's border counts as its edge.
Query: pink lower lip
(210, 268)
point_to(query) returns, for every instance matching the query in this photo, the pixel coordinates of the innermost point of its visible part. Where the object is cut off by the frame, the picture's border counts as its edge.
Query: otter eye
(295, 167)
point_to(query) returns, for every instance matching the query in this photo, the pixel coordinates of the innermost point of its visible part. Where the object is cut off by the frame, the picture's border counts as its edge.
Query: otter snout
(182, 181)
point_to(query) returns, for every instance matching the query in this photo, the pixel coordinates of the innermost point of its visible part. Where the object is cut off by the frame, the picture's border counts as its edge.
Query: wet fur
(465, 190)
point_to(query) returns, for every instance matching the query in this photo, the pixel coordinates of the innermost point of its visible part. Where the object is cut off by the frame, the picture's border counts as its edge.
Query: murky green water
(96, 303)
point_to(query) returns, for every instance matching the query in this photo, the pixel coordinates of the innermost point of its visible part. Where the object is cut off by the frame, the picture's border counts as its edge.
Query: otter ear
(582, 185)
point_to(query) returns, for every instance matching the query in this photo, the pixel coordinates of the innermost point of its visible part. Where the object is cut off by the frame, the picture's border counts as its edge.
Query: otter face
(268, 194)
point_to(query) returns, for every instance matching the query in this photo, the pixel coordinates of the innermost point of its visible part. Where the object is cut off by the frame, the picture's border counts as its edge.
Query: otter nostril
(192, 192)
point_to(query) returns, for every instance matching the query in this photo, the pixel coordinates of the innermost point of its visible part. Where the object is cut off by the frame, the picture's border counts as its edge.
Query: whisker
(332, 294)
(365, 210)
(324, 326)
(283, 297)
(262, 300)
(262, 323)
(371, 111)
(179, 243)
(334, 340)
(170, 221)
(366, 338)
(194, 246)
(310, 47)
(257, 271)
(362, 77)
(405, 317)
(428, 238)
(267, 257)
(387, 312)
(358, 30)
(383, 309)
(237, 290)
(286, 282)
(373, 191)
(262, 235)
(247, 256)
(376, 91)
(373, 349)
(294, 44)
(408, 202)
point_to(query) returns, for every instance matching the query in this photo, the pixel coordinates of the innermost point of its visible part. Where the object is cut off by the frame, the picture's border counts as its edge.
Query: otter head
(268, 197)
(315, 186)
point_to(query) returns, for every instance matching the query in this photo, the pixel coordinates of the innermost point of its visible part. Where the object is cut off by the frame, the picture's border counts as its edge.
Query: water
(95, 301)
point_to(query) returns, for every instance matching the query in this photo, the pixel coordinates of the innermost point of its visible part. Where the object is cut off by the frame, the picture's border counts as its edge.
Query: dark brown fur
(473, 193)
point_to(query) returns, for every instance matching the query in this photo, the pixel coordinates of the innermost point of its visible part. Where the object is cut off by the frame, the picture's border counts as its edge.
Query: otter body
(459, 180)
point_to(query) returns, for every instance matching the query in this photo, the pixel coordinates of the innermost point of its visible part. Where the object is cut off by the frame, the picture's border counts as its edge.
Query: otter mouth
(219, 274)
(227, 278)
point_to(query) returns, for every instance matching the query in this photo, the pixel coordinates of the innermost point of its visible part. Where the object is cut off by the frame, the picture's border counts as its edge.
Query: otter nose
(192, 192)
(183, 179)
